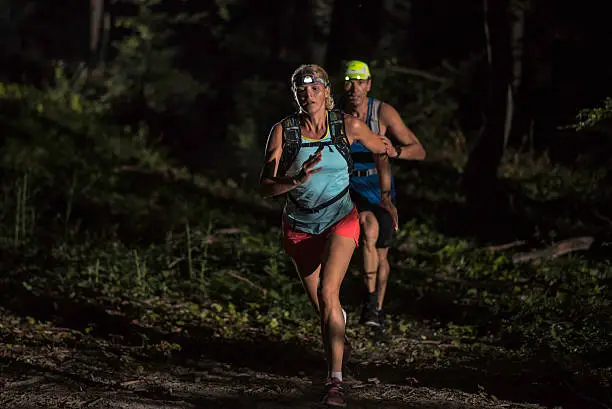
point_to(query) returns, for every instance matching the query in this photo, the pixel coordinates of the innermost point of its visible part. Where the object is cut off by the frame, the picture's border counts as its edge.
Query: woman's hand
(392, 151)
(308, 168)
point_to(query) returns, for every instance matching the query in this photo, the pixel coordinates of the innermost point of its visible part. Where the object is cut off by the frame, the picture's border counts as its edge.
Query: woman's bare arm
(357, 130)
(272, 185)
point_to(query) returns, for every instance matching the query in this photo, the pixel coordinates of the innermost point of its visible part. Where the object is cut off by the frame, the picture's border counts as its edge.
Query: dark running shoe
(369, 314)
(334, 394)
(382, 319)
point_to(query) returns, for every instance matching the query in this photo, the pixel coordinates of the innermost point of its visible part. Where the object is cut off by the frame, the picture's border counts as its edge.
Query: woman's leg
(309, 276)
(336, 259)
(322, 262)
(306, 253)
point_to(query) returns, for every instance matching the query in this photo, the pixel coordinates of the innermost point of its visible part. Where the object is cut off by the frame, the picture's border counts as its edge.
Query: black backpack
(292, 142)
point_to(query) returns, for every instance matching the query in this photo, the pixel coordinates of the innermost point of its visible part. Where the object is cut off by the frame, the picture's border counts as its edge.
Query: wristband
(398, 149)
(296, 179)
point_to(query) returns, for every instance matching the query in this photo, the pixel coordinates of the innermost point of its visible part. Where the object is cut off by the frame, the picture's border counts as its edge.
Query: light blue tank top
(320, 188)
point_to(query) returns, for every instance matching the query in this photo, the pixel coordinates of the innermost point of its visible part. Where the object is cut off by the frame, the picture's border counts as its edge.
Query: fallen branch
(167, 174)
(229, 230)
(585, 397)
(426, 341)
(92, 402)
(246, 280)
(556, 250)
(132, 382)
(602, 217)
(26, 382)
(419, 73)
(506, 246)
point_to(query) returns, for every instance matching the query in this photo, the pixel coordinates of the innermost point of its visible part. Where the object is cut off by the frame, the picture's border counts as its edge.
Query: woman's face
(311, 93)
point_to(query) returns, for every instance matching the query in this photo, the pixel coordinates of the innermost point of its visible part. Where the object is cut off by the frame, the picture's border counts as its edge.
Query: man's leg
(369, 237)
(386, 236)
(382, 276)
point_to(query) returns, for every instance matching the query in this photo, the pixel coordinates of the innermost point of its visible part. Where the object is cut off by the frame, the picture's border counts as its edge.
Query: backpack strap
(373, 115)
(322, 205)
(341, 142)
(339, 138)
(292, 140)
(316, 143)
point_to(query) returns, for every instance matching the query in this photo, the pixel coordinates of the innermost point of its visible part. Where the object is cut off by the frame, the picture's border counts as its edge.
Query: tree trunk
(95, 28)
(523, 118)
(519, 10)
(480, 176)
(394, 28)
(321, 14)
(105, 42)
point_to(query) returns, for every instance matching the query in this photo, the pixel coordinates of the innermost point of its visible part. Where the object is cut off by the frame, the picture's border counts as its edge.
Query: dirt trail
(55, 377)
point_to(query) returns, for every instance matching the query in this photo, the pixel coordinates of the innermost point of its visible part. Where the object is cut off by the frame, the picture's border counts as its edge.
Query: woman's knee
(329, 297)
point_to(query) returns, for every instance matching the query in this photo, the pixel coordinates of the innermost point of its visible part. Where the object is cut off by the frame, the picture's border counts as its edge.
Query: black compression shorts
(386, 231)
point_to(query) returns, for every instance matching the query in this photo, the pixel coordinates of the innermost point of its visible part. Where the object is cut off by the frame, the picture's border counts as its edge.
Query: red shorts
(307, 249)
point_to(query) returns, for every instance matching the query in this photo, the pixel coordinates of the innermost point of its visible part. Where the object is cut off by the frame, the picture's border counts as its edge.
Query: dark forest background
(132, 134)
(214, 75)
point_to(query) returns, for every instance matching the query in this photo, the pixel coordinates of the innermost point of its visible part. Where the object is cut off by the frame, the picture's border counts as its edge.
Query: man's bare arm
(409, 147)
(383, 168)
(384, 176)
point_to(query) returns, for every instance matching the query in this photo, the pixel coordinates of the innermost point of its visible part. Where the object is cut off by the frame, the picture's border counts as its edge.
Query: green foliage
(65, 166)
(557, 308)
(145, 68)
(61, 128)
(589, 117)
(253, 120)
(427, 101)
(96, 213)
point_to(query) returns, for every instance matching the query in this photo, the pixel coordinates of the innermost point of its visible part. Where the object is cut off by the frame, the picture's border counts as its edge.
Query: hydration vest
(364, 179)
(360, 154)
(292, 139)
(372, 119)
(292, 142)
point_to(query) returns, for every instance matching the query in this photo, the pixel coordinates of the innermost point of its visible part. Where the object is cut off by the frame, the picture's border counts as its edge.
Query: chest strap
(311, 210)
(365, 172)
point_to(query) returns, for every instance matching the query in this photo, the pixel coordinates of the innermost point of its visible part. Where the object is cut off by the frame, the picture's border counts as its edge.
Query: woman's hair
(316, 71)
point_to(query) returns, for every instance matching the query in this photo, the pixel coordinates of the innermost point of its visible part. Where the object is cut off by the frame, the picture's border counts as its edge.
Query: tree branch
(556, 250)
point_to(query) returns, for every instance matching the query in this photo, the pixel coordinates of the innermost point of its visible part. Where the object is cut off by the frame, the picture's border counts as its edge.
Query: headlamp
(309, 79)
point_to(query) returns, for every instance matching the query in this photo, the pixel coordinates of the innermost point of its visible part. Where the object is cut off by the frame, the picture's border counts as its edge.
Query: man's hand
(308, 168)
(388, 205)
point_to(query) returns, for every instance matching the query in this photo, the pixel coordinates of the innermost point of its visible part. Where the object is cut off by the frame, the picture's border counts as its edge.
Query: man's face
(357, 90)
(311, 97)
